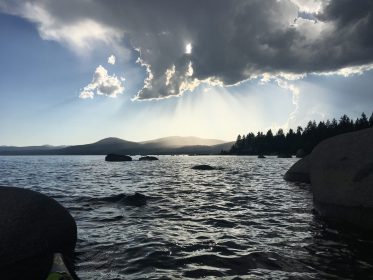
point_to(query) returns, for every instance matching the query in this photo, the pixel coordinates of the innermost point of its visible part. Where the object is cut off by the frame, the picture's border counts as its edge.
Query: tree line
(301, 140)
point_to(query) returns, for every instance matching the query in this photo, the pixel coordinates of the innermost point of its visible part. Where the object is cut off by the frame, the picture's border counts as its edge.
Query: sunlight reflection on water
(242, 220)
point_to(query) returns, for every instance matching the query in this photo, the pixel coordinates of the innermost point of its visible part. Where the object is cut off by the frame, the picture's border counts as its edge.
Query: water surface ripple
(242, 221)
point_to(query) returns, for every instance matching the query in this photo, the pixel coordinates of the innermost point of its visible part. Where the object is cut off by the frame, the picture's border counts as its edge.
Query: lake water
(242, 221)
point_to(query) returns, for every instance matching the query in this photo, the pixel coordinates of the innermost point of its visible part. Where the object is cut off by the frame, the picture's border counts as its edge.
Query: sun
(188, 48)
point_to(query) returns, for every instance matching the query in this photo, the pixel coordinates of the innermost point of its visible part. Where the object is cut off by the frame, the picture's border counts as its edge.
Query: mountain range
(166, 145)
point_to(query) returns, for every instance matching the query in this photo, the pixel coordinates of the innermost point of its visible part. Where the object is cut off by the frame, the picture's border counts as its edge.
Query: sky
(74, 72)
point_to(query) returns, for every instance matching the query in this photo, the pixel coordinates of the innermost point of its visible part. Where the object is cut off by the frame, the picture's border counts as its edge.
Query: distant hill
(178, 141)
(29, 150)
(167, 145)
(102, 147)
(201, 149)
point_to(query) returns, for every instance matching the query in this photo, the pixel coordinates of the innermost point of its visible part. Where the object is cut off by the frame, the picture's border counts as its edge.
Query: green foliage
(304, 138)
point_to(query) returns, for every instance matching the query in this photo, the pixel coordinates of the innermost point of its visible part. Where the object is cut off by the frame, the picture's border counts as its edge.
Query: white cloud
(309, 6)
(86, 93)
(169, 73)
(111, 59)
(102, 84)
(82, 35)
(349, 71)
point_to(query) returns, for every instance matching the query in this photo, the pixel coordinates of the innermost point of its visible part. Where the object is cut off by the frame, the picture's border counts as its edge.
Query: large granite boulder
(341, 172)
(115, 157)
(299, 172)
(32, 227)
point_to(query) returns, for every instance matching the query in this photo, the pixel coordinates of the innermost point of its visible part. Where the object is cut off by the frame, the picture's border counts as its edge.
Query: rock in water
(300, 153)
(261, 156)
(148, 158)
(32, 227)
(203, 167)
(341, 171)
(299, 172)
(137, 199)
(284, 155)
(115, 157)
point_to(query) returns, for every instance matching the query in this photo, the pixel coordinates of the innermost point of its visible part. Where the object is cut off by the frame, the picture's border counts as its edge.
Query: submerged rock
(203, 167)
(148, 158)
(32, 227)
(116, 157)
(299, 172)
(341, 172)
(136, 199)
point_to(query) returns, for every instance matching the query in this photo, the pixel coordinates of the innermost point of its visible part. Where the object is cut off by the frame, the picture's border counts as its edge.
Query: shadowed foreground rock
(341, 171)
(203, 167)
(115, 157)
(148, 158)
(299, 172)
(32, 227)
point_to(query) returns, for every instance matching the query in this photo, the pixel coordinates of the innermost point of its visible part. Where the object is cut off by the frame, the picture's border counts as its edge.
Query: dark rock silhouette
(136, 199)
(341, 173)
(148, 158)
(300, 153)
(32, 227)
(115, 157)
(284, 156)
(261, 156)
(203, 167)
(299, 172)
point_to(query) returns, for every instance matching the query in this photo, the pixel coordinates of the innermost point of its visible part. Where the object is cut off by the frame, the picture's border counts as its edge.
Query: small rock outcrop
(284, 156)
(261, 156)
(299, 172)
(341, 171)
(148, 158)
(32, 227)
(116, 157)
(203, 167)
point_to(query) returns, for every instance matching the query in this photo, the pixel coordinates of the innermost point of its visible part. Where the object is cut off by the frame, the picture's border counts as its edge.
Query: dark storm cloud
(231, 40)
(351, 42)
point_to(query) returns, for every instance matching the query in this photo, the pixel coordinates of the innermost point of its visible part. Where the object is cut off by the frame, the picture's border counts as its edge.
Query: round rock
(32, 227)
(341, 171)
(299, 172)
